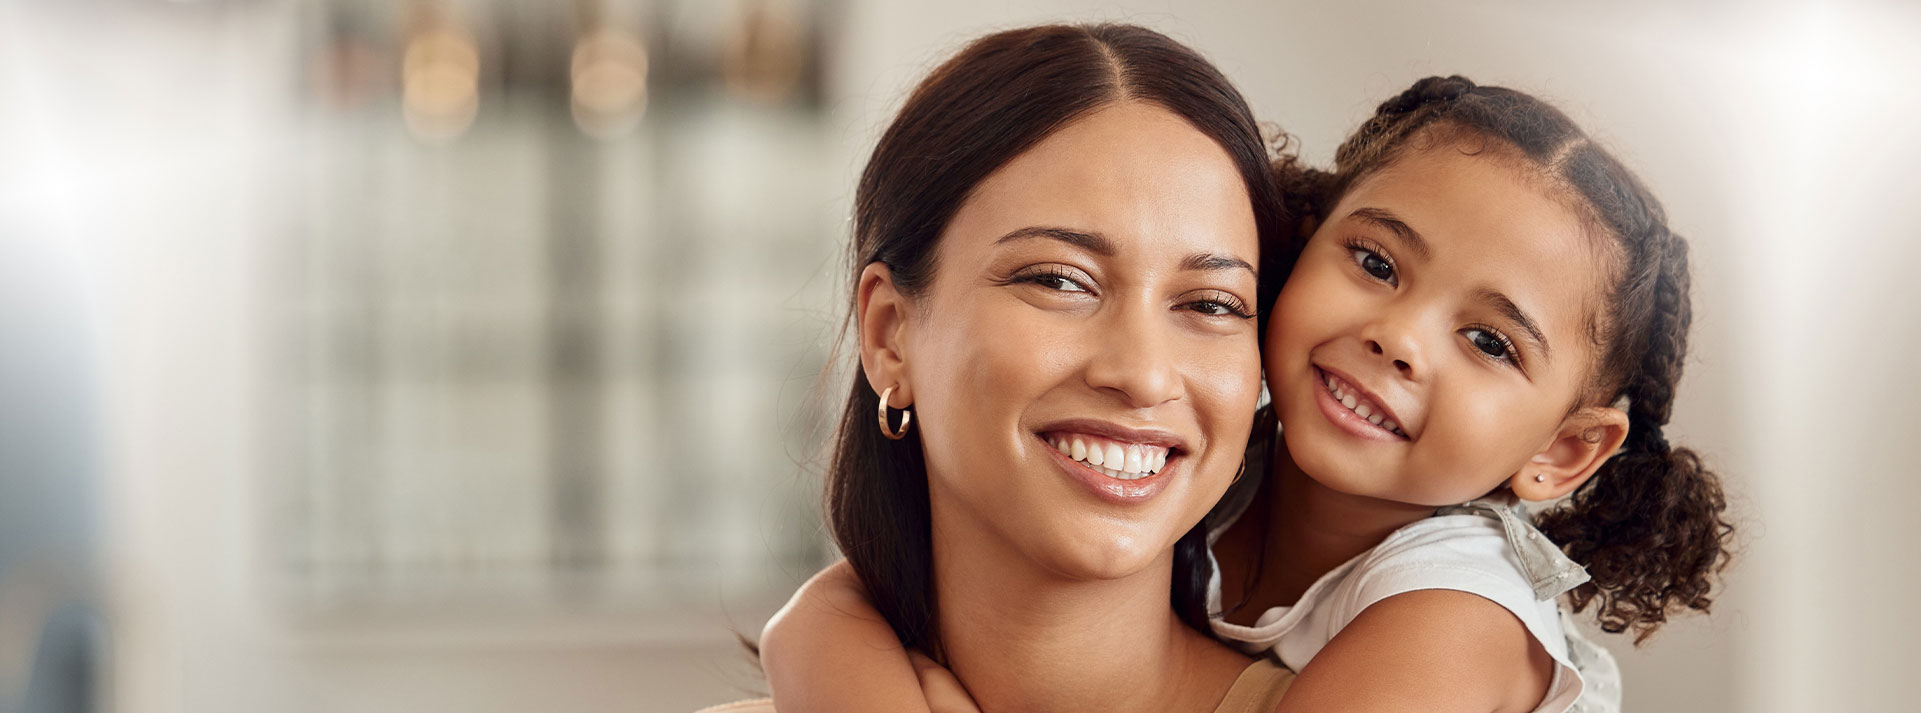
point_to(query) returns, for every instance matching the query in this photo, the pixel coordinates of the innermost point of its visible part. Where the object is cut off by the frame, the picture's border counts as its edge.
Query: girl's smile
(1355, 410)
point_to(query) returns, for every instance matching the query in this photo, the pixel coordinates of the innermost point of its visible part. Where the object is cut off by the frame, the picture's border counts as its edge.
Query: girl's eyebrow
(1387, 219)
(1514, 313)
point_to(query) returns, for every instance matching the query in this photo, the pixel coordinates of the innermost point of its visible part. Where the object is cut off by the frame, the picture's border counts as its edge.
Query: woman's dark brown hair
(1650, 526)
(997, 98)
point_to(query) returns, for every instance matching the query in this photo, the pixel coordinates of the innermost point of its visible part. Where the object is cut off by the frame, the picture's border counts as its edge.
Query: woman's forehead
(1133, 172)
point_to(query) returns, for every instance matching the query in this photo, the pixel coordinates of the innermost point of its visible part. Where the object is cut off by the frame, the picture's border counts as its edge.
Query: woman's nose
(1137, 358)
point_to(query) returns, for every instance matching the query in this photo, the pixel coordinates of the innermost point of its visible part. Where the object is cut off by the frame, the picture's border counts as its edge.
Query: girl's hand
(944, 692)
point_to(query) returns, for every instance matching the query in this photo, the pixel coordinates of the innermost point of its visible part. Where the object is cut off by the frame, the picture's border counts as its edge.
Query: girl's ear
(882, 313)
(1586, 439)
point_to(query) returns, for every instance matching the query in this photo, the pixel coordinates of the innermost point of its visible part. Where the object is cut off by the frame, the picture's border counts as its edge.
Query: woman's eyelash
(1228, 304)
(1217, 304)
(1050, 277)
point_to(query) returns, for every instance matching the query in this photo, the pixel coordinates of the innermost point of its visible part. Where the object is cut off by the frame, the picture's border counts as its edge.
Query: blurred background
(465, 355)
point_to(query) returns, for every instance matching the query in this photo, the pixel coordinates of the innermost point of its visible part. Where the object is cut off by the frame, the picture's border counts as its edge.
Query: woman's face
(1092, 303)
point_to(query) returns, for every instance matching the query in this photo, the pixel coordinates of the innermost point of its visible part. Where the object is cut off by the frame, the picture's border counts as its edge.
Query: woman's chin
(1107, 555)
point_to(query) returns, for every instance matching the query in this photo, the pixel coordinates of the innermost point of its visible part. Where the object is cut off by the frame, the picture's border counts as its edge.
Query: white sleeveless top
(1487, 548)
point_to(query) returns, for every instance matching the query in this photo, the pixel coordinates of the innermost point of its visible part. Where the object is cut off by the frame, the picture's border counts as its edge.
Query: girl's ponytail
(1650, 524)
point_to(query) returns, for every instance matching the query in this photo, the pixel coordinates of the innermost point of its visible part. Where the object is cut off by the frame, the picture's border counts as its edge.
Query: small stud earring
(1540, 477)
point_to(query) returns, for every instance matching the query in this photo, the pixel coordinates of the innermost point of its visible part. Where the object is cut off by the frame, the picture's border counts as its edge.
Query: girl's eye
(1491, 343)
(1373, 264)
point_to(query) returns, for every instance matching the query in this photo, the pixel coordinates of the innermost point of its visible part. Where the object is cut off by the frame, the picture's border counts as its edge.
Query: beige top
(1258, 690)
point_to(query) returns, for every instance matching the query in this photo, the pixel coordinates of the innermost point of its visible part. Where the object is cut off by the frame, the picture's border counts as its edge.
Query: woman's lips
(1128, 488)
(1115, 459)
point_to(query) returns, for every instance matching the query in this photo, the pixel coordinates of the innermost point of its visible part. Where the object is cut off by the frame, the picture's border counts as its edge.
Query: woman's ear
(1585, 440)
(882, 313)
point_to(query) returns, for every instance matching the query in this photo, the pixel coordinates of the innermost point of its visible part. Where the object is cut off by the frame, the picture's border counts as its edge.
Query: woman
(1055, 246)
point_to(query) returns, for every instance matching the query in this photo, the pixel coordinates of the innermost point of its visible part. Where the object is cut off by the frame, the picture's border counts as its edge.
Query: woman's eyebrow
(1216, 261)
(1100, 245)
(1515, 314)
(1387, 219)
(1091, 242)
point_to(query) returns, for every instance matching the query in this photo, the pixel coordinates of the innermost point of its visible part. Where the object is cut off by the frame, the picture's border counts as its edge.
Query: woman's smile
(1117, 463)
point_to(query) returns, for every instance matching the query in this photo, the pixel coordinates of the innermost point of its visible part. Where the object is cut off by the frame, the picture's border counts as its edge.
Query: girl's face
(1092, 296)
(1435, 332)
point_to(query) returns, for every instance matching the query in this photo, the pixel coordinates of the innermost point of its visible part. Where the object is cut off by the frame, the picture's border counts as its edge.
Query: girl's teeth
(1060, 444)
(1096, 455)
(1359, 408)
(1078, 451)
(1133, 463)
(1113, 457)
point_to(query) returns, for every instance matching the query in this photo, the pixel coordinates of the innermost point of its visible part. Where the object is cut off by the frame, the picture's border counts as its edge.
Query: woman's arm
(1431, 650)
(829, 651)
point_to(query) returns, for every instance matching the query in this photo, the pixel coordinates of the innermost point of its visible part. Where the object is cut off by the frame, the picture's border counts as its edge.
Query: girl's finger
(944, 692)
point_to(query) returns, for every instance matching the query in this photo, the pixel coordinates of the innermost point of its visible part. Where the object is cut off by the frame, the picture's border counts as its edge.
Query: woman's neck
(1023, 639)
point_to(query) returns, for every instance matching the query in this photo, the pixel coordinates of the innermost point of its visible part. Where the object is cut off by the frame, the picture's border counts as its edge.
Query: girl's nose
(1395, 340)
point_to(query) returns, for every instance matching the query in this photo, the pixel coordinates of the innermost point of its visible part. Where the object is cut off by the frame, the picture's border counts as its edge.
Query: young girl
(1490, 309)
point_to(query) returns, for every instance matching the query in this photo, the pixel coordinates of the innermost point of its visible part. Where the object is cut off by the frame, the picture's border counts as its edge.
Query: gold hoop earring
(906, 418)
(1239, 473)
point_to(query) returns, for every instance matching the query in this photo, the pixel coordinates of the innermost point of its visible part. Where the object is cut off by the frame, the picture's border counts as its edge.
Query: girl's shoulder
(1471, 548)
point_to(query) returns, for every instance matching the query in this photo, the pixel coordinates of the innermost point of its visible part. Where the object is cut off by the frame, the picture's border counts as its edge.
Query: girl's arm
(1429, 650)
(829, 651)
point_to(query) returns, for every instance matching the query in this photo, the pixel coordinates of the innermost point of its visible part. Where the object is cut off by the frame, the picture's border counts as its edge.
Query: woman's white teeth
(1130, 462)
(1361, 409)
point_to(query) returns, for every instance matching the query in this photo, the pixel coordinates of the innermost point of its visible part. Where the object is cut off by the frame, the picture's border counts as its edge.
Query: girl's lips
(1346, 419)
(1113, 490)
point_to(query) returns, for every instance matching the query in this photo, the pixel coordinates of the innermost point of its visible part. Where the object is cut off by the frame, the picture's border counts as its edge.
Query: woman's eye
(1212, 308)
(1216, 303)
(1053, 281)
(1491, 344)
(1374, 265)
(1057, 282)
